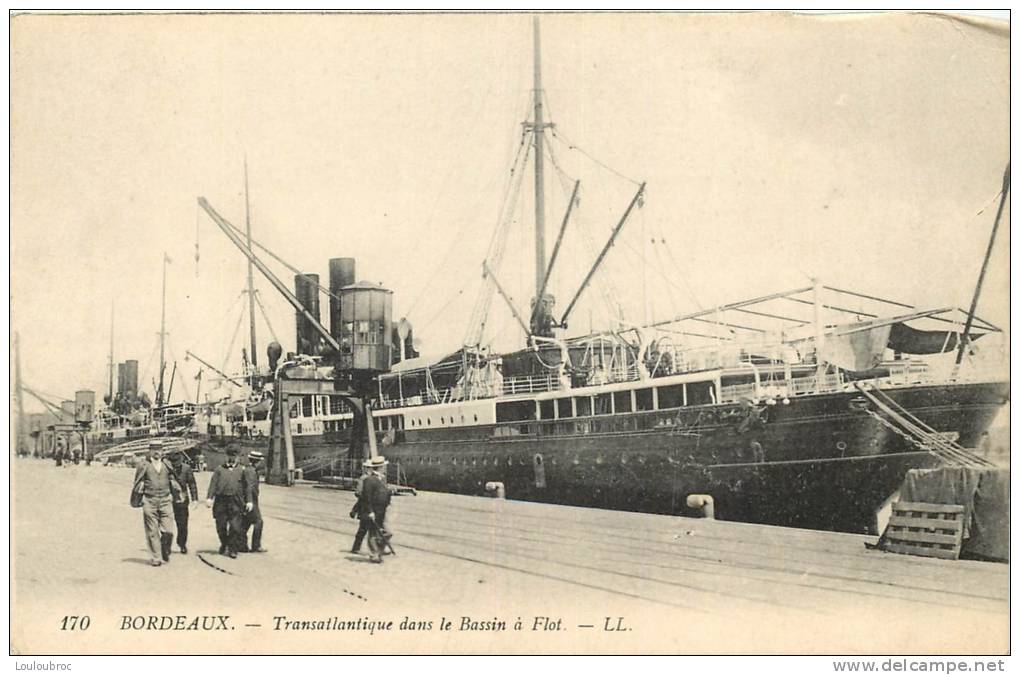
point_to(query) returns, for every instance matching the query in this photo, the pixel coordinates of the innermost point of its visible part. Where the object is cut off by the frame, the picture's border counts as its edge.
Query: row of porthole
(442, 420)
(520, 460)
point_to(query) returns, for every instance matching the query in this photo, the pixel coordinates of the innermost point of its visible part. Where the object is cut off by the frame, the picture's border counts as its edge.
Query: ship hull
(819, 462)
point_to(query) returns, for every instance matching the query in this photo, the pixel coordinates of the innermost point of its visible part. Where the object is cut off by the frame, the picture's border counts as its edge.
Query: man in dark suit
(188, 498)
(159, 488)
(229, 497)
(253, 518)
(373, 500)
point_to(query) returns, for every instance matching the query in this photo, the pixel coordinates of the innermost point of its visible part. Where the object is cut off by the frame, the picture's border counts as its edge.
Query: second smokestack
(341, 273)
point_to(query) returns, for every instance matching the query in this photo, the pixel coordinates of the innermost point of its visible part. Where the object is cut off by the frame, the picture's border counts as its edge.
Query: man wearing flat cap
(229, 497)
(253, 518)
(188, 497)
(159, 488)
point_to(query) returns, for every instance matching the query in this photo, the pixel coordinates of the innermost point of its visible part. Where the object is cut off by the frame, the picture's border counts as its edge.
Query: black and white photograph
(504, 333)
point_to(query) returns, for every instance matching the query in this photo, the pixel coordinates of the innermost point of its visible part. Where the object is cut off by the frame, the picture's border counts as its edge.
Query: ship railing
(907, 373)
(510, 386)
(624, 373)
(530, 384)
(799, 386)
(345, 472)
(737, 392)
(828, 383)
(694, 359)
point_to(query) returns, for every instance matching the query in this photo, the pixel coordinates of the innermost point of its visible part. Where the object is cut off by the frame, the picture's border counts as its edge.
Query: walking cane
(377, 532)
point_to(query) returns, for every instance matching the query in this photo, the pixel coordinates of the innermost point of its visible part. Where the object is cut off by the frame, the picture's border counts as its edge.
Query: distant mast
(252, 353)
(538, 128)
(110, 390)
(20, 444)
(162, 336)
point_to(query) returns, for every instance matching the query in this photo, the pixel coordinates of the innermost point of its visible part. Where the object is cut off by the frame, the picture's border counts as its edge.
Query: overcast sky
(859, 149)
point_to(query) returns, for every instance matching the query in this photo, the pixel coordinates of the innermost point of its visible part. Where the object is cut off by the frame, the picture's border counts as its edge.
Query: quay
(471, 575)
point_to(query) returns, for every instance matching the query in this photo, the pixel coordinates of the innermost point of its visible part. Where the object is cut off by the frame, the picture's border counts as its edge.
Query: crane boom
(216, 370)
(56, 409)
(509, 302)
(228, 229)
(605, 250)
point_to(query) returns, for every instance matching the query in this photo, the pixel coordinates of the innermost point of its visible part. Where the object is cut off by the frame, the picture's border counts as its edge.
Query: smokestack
(131, 376)
(341, 273)
(306, 288)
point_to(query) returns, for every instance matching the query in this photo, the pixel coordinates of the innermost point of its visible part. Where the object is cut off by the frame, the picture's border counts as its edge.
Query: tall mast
(984, 268)
(20, 442)
(110, 391)
(538, 129)
(162, 336)
(252, 353)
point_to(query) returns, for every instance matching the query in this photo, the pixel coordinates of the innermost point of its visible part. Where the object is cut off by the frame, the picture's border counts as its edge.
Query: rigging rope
(674, 308)
(494, 258)
(224, 317)
(683, 277)
(265, 316)
(456, 242)
(196, 238)
(573, 146)
(442, 309)
(237, 328)
(919, 434)
(148, 364)
(286, 264)
(183, 380)
(605, 289)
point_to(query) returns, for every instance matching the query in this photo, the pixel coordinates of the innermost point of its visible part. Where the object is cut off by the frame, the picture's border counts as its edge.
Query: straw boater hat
(255, 456)
(375, 462)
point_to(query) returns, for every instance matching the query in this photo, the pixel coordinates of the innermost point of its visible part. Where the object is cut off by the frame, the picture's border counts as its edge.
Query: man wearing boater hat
(229, 497)
(370, 508)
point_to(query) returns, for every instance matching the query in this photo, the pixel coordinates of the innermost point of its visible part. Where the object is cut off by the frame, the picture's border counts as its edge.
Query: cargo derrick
(343, 360)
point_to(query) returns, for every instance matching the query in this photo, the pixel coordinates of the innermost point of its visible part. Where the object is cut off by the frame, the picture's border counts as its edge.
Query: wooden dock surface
(607, 581)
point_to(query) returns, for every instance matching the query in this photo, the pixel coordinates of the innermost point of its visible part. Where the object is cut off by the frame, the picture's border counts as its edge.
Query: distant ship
(129, 419)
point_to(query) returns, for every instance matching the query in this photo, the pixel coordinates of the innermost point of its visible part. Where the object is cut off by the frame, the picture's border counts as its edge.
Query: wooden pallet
(930, 530)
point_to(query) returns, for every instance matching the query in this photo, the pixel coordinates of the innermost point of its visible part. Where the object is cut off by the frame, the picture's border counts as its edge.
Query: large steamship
(801, 408)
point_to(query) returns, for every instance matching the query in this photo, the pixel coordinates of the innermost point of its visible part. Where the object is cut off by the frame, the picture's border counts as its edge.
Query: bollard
(495, 489)
(704, 503)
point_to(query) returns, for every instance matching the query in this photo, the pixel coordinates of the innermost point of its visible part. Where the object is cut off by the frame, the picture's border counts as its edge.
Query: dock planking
(680, 585)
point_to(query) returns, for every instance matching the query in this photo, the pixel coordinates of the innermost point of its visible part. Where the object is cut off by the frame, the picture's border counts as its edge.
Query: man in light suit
(159, 488)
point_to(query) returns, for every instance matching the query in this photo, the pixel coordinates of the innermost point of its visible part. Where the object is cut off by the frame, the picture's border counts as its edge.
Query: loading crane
(304, 375)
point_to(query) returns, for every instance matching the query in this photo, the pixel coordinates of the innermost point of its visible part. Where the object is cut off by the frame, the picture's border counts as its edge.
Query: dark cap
(231, 452)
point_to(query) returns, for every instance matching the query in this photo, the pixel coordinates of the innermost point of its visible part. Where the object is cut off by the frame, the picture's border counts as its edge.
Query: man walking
(229, 497)
(188, 497)
(253, 518)
(159, 488)
(370, 508)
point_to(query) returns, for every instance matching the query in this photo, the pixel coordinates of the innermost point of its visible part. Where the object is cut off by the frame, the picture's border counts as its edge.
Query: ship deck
(662, 584)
